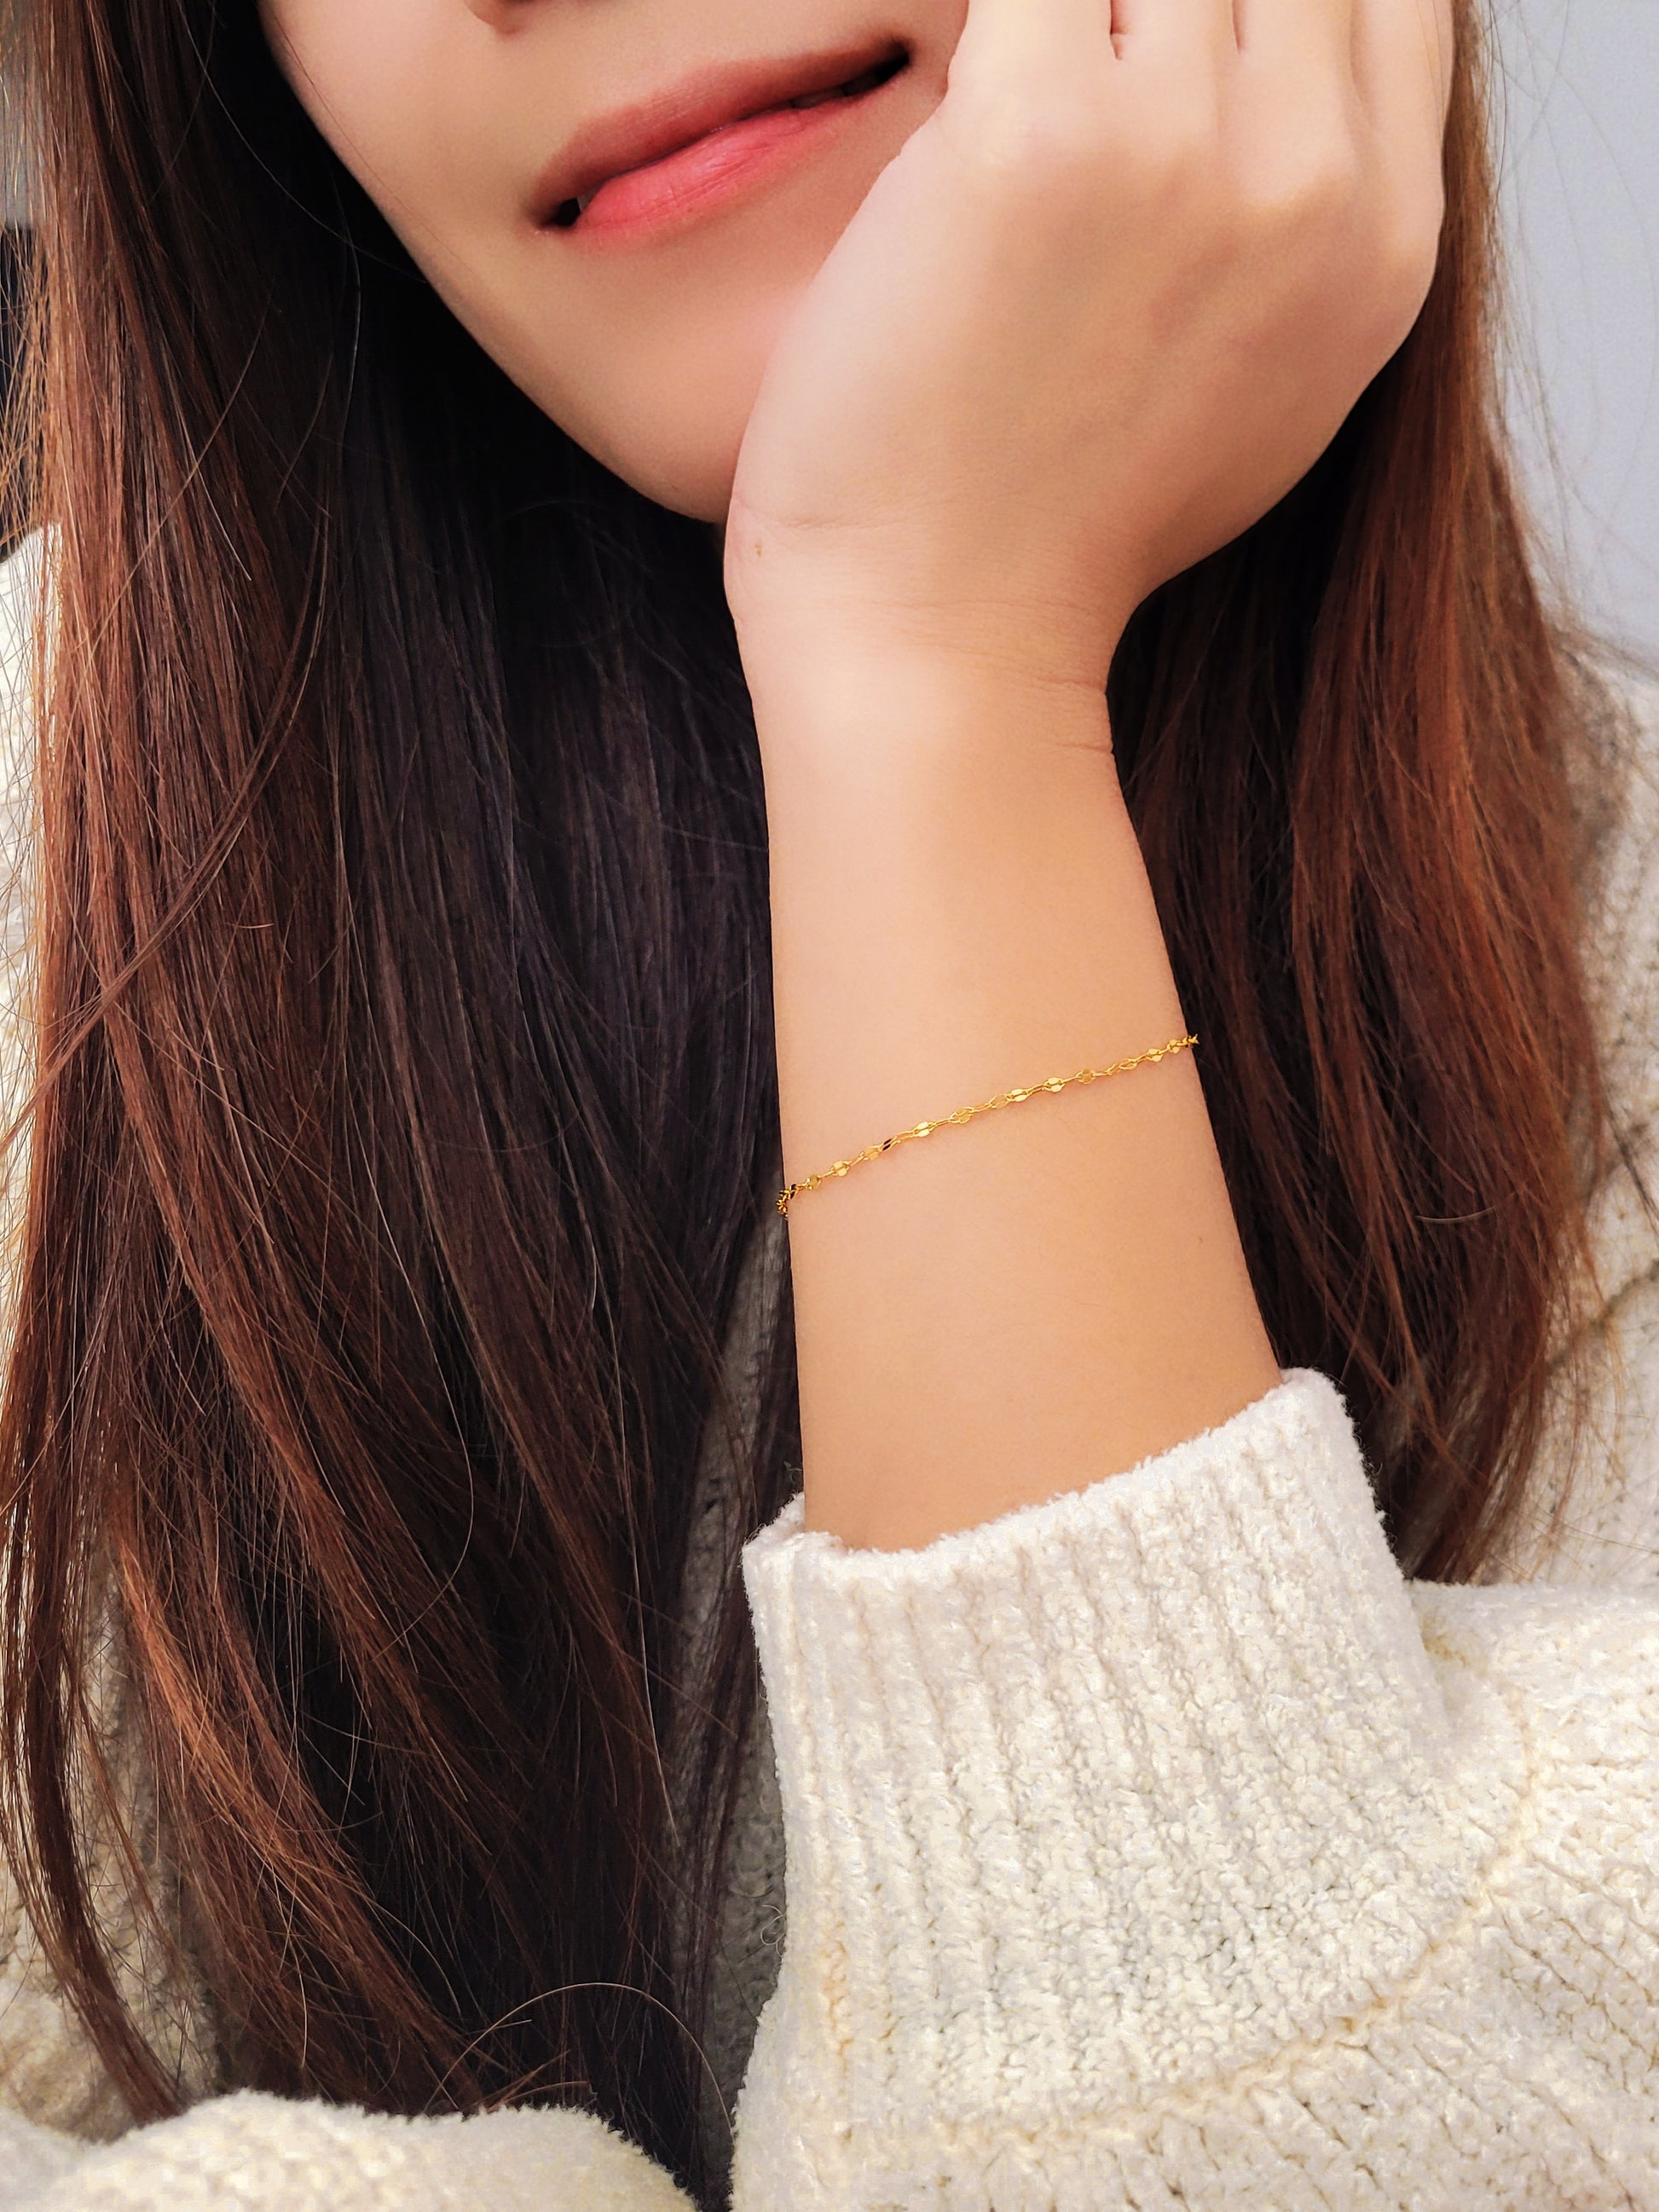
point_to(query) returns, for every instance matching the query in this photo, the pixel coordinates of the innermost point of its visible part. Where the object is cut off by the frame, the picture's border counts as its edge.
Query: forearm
(1053, 1291)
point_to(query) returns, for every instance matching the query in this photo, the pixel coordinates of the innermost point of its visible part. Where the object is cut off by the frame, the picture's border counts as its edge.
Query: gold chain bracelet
(965, 1114)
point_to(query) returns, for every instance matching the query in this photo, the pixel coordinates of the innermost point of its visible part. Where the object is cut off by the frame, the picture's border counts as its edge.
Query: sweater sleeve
(1162, 1845)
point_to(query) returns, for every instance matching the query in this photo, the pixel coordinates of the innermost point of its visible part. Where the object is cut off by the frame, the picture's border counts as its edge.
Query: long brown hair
(407, 1103)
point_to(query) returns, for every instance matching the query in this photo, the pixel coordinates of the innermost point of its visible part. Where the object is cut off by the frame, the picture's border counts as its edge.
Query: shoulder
(50, 2072)
(1616, 800)
(23, 584)
(1618, 807)
(1590, 1513)
(23, 580)
(1585, 1663)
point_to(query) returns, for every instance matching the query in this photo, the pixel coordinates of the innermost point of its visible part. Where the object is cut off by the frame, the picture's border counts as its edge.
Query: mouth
(654, 132)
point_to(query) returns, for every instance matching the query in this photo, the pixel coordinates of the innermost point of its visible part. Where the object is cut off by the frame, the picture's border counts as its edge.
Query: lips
(650, 131)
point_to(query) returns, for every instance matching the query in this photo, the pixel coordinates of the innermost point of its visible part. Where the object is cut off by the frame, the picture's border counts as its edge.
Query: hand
(1105, 307)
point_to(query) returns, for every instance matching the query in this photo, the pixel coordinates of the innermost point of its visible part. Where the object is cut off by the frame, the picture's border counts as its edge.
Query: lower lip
(713, 172)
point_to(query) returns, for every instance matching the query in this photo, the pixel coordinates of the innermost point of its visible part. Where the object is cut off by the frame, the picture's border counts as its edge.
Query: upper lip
(651, 129)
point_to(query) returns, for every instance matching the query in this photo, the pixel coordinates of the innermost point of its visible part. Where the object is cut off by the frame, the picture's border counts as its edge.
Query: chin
(689, 480)
(699, 486)
(686, 459)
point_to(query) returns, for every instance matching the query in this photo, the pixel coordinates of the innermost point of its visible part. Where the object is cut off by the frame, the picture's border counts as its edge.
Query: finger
(1300, 35)
(1175, 30)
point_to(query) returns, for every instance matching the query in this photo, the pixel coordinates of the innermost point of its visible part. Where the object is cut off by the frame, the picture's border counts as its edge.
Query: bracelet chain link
(965, 1114)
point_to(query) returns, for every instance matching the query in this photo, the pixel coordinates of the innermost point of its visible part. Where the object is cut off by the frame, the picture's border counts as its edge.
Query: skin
(1096, 290)
(447, 112)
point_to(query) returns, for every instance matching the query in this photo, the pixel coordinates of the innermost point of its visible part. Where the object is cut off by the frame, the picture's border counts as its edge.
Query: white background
(1578, 147)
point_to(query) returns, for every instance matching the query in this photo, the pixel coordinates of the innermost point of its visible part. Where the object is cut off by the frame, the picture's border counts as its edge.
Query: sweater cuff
(1125, 1788)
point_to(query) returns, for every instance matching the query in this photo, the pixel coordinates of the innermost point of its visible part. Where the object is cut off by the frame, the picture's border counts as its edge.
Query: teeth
(867, 81)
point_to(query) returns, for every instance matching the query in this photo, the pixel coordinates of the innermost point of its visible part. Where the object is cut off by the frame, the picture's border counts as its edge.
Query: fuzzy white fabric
(1157, 1846)
(253, 2150)
(1161, 1847)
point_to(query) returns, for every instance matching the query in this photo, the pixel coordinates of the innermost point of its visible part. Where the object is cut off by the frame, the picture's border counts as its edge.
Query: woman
(978, 531)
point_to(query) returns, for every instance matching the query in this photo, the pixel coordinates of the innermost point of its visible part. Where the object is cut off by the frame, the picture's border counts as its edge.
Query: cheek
(650, 356)
(652, 360)
(396, 88)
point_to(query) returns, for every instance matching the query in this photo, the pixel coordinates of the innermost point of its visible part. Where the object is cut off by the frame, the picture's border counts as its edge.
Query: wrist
(862, 698)
(798, 618)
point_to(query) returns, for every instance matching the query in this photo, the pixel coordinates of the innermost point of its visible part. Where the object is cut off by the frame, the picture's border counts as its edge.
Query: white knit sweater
(1157, 1846)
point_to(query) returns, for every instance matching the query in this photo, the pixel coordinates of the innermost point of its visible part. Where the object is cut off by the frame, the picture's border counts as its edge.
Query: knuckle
(1318, 181)
(1164, 150)
(1015, 132)
(1179, 138)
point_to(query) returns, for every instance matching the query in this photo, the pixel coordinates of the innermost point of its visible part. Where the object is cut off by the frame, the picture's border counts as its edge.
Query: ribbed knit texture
(1157, 1846)
(1161, 1847)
